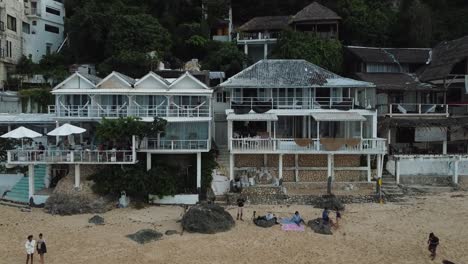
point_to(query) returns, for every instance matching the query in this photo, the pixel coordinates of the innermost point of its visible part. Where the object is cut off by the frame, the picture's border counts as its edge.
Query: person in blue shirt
(297, 219)
(325, 218)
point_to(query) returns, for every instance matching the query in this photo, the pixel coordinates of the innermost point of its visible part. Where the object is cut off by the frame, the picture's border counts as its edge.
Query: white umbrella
(66, 130)
(21, 132)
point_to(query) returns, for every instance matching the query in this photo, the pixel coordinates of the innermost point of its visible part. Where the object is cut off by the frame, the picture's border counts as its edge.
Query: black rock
(97, 220)
(207, 219)
(320, 227)
(145, 235)
(264, 223)
(329, 201)
(171, 232)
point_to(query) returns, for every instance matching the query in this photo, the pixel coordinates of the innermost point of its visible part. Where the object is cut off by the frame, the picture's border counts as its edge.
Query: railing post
(72, 156)
(9, 156)
(419, 109)
(391, 110)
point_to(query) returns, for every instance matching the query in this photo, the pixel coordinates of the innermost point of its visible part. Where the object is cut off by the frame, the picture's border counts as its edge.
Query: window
(11, 23)
(52, 11)
(34, 23)
(26, 28)
(52, 29)
(59, 1)
(48, 48)
(8, 50)
(221, 97)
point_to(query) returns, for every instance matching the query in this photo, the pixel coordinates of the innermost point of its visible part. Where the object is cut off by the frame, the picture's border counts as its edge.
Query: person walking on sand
(30, 248)
(41, 248)
(433, 243)
(240, 208)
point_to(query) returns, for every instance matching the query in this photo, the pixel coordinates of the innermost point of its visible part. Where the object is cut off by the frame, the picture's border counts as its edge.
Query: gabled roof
(390, 55)
(289, 74)
(265, 23)
(91, 79)
(314, 12)
(395, 81)
(152, 75)
(444, 57)
(124, 78)
(191, 77)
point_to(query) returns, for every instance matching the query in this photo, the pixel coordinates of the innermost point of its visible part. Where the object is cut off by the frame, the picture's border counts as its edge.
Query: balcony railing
(323, 145)
(99, 111)
(242, 36)
(71, 156)
(266, 103)
(424, 109)
(175, 145)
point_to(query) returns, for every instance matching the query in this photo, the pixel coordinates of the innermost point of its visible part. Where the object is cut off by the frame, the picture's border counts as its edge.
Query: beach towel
(292, 227)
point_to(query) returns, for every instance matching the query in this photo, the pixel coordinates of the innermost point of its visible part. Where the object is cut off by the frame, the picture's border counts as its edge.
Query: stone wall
(426, 180)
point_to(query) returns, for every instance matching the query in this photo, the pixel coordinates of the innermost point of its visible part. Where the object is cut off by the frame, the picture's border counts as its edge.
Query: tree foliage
(323, 52)
(124, 128)
(224, 56)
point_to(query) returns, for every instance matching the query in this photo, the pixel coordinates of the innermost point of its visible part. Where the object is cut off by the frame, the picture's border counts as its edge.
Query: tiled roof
(265, 23)
(444, 57)
(128, 79)
(314, 11)
(390, 55)
(395, 81)
(288, 74)
(92, 78)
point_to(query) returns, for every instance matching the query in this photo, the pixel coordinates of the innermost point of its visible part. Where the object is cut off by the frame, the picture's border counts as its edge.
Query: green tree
(224, 56)
(326, 53)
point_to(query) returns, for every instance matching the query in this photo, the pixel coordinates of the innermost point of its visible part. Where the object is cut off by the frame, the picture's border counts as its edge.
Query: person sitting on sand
(433, 243)
(30, 246)
(297, 219)
(325, 217)
(268, 217)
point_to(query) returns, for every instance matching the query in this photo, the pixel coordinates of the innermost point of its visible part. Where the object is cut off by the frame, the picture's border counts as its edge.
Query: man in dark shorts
(240, 208)
(433, 243)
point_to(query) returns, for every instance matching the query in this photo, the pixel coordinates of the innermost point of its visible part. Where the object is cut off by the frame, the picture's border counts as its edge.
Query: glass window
(52, 29)
(53, 11)
(26, 28)
(11, 23)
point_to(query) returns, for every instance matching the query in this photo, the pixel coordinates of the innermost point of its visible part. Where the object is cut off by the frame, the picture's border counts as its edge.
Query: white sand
(369, 233)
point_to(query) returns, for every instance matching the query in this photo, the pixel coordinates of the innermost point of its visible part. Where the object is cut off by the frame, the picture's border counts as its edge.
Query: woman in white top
(30, 248)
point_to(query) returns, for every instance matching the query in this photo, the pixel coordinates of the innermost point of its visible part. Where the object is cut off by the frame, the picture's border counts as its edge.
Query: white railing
(285, 145)
(183, 145)
(418, 109)
(293, 102)
(71, 156)
(242, 36)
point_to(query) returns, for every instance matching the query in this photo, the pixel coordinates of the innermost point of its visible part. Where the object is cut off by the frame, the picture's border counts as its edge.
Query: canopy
(21, 132)
(338, 116)
(253, 117)
(66, 130)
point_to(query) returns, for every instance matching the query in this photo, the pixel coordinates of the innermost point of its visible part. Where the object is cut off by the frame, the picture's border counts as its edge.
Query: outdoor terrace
(245, 104)
(405, 109)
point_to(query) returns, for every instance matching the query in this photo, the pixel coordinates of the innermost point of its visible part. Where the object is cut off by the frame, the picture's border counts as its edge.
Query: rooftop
(314, 12)
(289, 74)
(265, 23)
(395, 81)
(391, 55)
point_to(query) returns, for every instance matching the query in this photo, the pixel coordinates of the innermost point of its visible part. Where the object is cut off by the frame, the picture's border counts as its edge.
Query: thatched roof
(314, 12)
(444, 57)
(265, 23)
(393, 122)
(390, 55)
(289, 74)
(396, 82)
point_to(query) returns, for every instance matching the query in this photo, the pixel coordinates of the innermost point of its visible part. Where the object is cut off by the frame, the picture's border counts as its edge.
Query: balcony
(257, 37)
(434, 110)
(22, 157)
(261, 105)
(171, 146)
(33, 12)
(308, 146)
(221, 38)
(115, 111)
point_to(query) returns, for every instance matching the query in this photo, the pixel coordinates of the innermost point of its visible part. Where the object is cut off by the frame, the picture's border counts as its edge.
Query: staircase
(20, 192)
(390, 187)
(223, 161)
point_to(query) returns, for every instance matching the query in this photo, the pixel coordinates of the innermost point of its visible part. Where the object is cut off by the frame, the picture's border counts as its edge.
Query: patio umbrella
(21, 132)
(66, 130)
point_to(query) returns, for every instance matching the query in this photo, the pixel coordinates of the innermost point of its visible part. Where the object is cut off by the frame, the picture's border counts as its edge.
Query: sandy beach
(369, 233)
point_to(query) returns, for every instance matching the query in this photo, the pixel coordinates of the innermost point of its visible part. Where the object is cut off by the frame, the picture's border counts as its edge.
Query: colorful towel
(292, 227)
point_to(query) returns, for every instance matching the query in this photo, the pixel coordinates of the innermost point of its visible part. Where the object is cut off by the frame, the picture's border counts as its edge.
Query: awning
(252, 117)
(338, 116)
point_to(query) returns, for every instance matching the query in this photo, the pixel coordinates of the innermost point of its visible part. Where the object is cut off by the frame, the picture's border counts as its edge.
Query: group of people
(32, 246)
(297, 219)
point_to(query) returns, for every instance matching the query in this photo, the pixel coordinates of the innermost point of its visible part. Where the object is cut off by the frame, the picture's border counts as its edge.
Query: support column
(455, 171)
(265, 160)
(280, 166)
(77, 175)
(57, 138)
(331, 166)
(397, 165)
(31, 179)
(198, 171)
(246, 49)
(148, 161)
(296, 167)
(369, 169)
(444, 147)
(265, 51)
(304, 126)
(229, 134)
(231, 166)
(379, 166)
(269, 128)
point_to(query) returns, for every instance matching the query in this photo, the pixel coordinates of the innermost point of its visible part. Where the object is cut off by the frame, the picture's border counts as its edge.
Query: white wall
(7, 181)
(427, 166)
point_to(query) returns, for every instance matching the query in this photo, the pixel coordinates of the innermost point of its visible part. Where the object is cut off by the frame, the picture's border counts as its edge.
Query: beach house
(296, 122)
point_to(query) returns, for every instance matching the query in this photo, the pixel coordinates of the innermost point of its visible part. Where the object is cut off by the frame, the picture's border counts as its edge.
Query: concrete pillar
(199, 171)
(444, 147)
(229, 133)
(304, 126)
(246, 49)
(265, 160)
(269, 128)
(31, 179)
(280, 166)
(455, 171)
(369, 169)
(296, 167)
(231, 166)
(265, 51)
(397, 165)
(77, 175)
(57, 138)
(331, 166)
(148, 161)
(379, 166)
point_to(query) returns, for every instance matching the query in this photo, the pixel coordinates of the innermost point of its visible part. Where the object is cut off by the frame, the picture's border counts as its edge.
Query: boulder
(207, 219)
(264, 223)
(320, 227)
(329, 201)
(70, 204)
(97, 220)
(171, 232)
(145, 235)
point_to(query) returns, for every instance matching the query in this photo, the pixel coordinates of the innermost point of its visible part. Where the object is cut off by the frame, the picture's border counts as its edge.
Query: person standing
(240, 208)
(30, 248)
(41, 248)
(433, 243)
